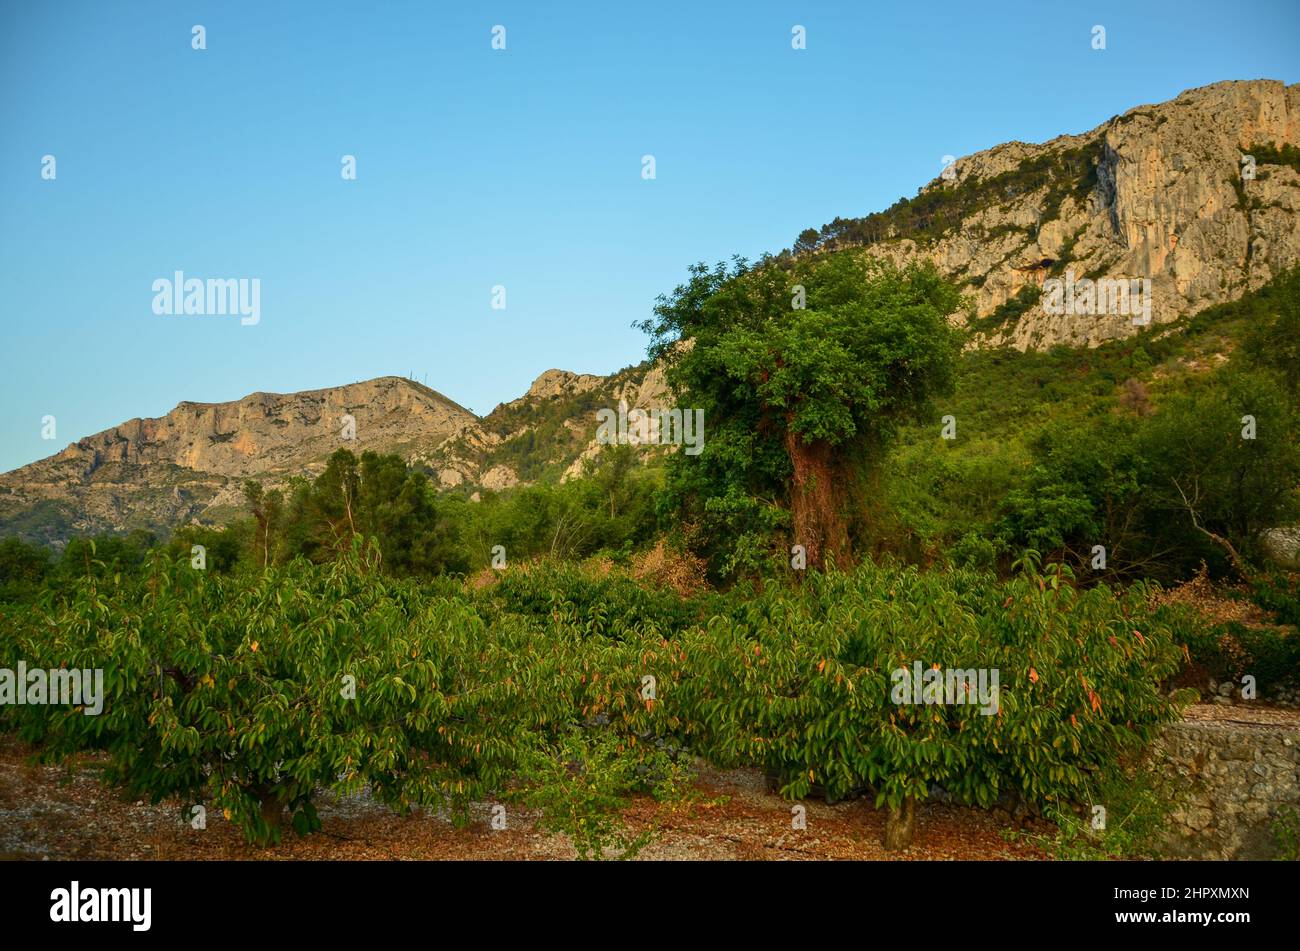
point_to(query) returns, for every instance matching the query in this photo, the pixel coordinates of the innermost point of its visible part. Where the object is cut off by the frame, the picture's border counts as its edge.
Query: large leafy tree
(1225, 462)
(803, 369)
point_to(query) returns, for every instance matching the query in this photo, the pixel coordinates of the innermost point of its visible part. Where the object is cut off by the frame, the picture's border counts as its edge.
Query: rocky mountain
(189, 465)
(549, 431)
(1200, 195)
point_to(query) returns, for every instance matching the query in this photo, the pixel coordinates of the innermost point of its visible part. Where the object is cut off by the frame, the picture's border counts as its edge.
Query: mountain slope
(1155, 193)
(154, 473)
(189, 465)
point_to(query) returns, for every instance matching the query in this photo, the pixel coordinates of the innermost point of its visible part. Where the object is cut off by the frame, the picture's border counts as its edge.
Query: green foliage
(1286, 833)
(234, 691)
(22, 569)
(1202, 462)
(1137, 804)
(222, 547)
(582, 786)
(869, 347)
(802, 684)
(610, 606)
(1273, 336)
(1230, 650)
(1025, 300)
(942, 207)
(610, 509)
(1272, 154)
(1070, 448)
(1280, 594)
(374, 497)
(544, 441)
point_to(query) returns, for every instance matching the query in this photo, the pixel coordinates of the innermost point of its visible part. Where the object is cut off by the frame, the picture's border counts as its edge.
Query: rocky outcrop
(189, 465)
(560, 382)
(1156, 193)
(272, 433)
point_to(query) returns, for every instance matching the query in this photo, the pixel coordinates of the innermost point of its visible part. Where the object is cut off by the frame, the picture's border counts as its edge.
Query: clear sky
(478, 167)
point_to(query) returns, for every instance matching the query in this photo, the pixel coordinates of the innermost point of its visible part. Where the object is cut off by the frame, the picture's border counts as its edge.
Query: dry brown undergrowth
(1216, 602)
(661, 566)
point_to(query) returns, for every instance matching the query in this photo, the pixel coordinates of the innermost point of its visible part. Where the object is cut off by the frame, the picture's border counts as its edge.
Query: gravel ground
(56, 813)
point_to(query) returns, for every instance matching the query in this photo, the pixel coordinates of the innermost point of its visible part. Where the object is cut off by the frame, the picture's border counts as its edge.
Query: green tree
(1226, 462)
(266, 509)
(803, 369)
(22, 568)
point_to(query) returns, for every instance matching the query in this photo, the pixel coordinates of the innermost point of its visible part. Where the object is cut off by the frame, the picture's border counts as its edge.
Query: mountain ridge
(1155, 192)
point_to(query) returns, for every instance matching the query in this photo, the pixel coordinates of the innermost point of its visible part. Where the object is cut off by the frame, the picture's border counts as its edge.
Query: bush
(22, 569)
(802, 684)
(1231, 650)
(250, 693)
(607, 606)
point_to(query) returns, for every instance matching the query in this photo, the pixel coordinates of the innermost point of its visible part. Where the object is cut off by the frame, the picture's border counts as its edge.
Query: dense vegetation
(941, 206)
(362, 628)
(1136, 446)
(806, 370)
(250, 692)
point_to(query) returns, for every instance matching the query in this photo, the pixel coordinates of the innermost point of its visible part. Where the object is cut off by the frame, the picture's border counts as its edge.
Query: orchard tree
(803, 369)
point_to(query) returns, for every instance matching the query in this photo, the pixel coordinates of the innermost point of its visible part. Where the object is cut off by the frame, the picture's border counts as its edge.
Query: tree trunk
(817, 494)
(272, 811)
(900, 825)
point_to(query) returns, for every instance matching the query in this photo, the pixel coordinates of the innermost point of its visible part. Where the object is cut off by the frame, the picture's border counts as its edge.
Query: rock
(1164, 200)
(499, 477)
(1282, 545)
(183, 466)
(554, 383)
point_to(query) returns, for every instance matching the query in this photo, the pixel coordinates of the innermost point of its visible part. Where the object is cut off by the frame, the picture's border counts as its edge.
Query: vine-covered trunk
(900, 825)
(817, 495)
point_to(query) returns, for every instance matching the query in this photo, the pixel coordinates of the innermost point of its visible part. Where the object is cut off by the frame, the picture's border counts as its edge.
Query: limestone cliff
(1157, 193)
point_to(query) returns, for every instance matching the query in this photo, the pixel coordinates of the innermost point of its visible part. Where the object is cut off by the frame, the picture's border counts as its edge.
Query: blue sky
(478, 167)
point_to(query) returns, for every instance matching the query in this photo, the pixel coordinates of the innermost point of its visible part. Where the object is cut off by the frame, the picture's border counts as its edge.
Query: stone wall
(1232, 770)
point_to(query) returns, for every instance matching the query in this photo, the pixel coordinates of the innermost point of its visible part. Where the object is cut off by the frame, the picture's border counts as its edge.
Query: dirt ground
(49, 813)
(54, 813)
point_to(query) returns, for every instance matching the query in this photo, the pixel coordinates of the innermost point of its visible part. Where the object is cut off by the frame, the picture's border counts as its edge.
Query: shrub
(1231, 650)
(251, 693)
(802, 684)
